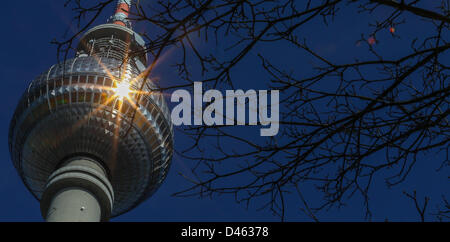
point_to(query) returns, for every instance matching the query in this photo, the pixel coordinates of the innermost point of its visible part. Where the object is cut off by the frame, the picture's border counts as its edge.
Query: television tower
(85, 142)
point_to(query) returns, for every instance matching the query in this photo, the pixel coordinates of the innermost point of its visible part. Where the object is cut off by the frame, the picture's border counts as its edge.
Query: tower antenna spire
(120, 16)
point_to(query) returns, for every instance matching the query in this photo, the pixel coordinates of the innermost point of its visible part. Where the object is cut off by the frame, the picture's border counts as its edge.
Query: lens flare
(123, 89)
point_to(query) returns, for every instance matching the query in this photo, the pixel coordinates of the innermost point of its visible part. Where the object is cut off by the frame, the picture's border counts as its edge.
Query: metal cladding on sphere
(73, 110)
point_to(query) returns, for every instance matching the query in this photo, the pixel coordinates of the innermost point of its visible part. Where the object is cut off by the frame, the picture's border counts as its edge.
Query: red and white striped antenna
(120, 16)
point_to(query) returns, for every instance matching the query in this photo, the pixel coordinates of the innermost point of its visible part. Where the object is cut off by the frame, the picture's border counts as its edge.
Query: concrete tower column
(79, 191)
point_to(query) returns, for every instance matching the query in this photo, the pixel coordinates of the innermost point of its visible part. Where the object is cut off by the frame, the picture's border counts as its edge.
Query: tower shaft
(79, 191)
(74, 204)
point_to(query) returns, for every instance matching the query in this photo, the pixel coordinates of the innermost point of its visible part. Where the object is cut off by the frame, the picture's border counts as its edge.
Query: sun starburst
(122, 90)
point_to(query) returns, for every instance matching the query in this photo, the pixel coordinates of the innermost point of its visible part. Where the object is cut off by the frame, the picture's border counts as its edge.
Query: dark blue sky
(29, 26)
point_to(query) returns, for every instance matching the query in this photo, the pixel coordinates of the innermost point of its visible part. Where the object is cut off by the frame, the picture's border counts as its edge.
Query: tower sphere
(89, 109)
